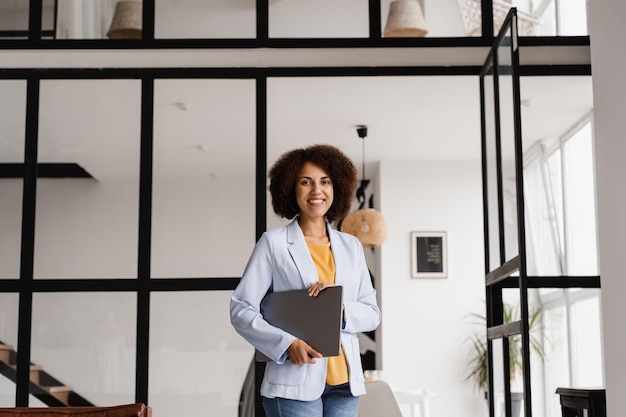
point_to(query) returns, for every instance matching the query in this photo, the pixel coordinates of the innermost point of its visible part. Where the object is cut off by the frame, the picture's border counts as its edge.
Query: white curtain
(84, 19)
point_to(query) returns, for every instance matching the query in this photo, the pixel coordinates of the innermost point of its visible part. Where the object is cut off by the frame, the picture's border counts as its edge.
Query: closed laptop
(316, 320)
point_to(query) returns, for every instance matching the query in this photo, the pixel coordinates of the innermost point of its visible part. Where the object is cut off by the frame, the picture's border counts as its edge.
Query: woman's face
(314, 191)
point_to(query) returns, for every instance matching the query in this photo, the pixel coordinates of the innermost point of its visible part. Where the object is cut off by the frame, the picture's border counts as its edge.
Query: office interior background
(421, 103)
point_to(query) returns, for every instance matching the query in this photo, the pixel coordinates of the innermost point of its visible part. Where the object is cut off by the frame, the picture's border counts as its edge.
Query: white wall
(425, 325)
(608, 34)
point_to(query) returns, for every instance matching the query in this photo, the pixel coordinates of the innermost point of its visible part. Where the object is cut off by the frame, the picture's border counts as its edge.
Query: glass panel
(555, 178)
(548, 126)
(205, 19)
(319, 19)
(199, 366)
(528, 23)
(492, 173)
(86, 341)
(498, 377)
(8, 345)
(90, 19)
(579, 201)
(542, 234)
(511, 300)
(556, 363)
(12, 126)
(587, 339)
(545, 11)
(203, 200)
(516, 366)
(14, 19)
(7, 392)
(545, 17)
(87, 227)
(8, 321)
(572, 18)
(507, 142)
(47, 19)
(538, 351)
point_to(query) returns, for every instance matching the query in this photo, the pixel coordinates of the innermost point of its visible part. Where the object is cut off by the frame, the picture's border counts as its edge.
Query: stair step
(34, 372)
(5, 353)
(61, 393)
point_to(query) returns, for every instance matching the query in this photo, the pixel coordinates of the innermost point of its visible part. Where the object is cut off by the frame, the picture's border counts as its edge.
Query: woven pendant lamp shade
(368, 225)
(126, 23)
(405, 20)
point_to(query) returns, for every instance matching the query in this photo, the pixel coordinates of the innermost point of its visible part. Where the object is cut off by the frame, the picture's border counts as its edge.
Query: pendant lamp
(367, 224)
(126, 23)
(405, 20)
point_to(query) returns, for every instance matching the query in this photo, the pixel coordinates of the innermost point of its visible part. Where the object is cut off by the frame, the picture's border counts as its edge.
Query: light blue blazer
(281, 260)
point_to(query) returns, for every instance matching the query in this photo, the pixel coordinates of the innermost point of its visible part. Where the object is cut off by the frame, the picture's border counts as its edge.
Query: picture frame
(429, 255)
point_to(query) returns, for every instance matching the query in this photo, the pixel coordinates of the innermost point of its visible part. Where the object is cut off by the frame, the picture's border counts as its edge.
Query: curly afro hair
(284, 174)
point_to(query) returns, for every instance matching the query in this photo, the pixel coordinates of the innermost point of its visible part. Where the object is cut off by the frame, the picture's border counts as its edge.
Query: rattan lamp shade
(405, 20)
(126, 23)
(368, 225)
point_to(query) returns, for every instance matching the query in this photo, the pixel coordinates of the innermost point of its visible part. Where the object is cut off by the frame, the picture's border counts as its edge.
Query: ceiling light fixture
(126, 23)
(405, 20)
(367, 224)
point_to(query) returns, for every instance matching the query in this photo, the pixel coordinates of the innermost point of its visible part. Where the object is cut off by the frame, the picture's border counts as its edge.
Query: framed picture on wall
(429, 255)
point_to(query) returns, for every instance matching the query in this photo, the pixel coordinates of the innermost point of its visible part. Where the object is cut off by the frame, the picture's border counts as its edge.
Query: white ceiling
(208, 127)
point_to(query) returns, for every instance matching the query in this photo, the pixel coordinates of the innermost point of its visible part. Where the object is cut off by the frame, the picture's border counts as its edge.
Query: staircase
(44, 386)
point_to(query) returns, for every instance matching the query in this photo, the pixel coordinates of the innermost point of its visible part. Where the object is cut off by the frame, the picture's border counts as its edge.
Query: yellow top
(337, 370)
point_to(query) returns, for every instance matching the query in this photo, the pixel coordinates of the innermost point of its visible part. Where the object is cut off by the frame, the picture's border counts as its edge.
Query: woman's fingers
(300, 352)
(317, 287)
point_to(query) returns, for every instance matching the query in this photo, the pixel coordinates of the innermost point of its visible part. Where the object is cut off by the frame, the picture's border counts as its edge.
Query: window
(561, 240)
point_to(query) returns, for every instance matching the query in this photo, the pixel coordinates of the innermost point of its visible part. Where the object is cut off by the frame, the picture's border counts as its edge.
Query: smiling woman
(313, 186)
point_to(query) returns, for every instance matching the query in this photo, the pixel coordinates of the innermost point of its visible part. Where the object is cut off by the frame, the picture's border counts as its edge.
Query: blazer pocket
(286, 374)
(354, 358)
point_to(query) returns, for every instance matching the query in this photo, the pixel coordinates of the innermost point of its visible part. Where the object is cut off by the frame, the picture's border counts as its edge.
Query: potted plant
(477, 371)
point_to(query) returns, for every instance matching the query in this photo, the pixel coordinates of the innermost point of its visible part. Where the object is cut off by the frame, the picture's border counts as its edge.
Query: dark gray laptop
(316, 320)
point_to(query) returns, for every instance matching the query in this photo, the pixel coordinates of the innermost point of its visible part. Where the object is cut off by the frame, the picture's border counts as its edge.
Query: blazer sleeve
(245, 315)
(361, 312)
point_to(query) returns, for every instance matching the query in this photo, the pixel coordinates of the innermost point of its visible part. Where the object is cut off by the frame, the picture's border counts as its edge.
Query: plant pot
(517, 399)
(516, 403)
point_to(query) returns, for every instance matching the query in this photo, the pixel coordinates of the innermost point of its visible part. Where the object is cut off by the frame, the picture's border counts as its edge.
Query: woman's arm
(245, 315)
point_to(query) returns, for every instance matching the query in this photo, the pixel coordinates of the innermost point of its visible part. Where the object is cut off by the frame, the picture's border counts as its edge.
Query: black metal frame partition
(38, 38)
(496, 329)
(143, 285)
(508, 272)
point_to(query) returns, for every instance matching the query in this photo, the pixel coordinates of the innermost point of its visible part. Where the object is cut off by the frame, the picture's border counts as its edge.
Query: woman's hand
(317, 287)
(300, 352)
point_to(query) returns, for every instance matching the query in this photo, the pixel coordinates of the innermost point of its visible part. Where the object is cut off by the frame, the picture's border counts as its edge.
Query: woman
(314, 186)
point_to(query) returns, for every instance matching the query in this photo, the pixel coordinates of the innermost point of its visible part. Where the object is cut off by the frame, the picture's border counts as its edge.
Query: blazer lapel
(296, 245)
(337, 248)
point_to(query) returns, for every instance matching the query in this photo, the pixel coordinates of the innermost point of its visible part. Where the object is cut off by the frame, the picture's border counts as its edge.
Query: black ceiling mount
(361, 130)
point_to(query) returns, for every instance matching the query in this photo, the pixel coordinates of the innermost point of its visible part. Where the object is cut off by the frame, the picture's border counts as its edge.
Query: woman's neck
(314, 230)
